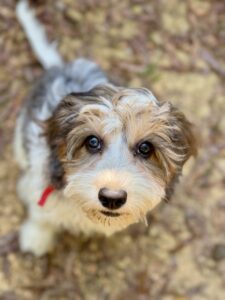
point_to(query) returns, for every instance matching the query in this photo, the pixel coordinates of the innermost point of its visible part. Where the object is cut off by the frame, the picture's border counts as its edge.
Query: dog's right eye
(93, 144)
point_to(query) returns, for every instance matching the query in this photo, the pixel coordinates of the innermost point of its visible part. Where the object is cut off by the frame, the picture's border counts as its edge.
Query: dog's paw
(36, 238)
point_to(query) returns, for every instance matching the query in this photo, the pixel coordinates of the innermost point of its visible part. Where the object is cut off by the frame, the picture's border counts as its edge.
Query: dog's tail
(45, 51)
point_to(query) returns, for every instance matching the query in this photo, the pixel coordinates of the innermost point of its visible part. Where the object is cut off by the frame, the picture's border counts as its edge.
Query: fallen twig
(212, 62)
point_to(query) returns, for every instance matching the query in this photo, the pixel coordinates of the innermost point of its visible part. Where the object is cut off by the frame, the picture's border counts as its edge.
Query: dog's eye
(93, 144)
(145, 149)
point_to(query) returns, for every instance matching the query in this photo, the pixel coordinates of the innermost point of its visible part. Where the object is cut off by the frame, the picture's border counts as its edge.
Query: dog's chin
(114, 220)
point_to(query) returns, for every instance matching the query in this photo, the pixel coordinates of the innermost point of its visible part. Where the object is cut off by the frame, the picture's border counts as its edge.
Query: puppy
(95, 157)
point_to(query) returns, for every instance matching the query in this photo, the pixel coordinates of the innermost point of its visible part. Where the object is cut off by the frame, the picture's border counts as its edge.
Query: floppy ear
(56, 131)
(183, 146)
(175, 139)
(184, 137)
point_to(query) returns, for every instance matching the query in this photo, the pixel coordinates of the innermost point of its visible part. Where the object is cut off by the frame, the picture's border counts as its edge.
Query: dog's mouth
(110, 214)
(115, 220)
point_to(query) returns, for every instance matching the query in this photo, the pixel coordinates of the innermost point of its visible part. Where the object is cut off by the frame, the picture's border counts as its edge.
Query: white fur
(136, 98)
(46, 52)
(37, 238)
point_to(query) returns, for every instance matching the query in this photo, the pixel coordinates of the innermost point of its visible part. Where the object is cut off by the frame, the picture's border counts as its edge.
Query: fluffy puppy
(99, 156)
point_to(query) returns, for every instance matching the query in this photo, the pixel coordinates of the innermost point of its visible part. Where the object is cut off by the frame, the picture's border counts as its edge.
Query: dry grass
(177, 49)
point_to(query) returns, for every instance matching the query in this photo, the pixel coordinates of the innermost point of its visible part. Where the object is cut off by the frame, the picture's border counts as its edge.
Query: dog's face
(117, 152)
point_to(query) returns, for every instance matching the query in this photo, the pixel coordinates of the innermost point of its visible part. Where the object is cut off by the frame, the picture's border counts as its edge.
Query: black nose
(112, 199)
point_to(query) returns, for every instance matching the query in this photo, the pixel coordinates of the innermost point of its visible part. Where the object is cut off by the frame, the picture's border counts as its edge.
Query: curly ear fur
(187, 137)
(57, 129)
(184, 141)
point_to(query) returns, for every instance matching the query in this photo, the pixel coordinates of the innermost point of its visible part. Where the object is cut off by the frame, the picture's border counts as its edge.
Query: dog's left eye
(145, 149)
(93, 144)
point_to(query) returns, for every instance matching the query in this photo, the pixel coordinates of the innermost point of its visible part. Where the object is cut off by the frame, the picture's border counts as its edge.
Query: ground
(175, 48)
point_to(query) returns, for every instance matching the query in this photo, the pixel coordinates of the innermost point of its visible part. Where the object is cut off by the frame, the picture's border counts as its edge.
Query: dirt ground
(177, 49)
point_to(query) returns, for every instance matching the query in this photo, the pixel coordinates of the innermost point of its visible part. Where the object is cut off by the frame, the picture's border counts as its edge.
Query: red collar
(47, 191)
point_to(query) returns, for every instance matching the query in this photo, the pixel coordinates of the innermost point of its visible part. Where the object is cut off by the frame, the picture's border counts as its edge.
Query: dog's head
(117, 152)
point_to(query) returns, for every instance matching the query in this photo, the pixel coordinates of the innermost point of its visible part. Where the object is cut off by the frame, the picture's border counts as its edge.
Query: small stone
(218, 252)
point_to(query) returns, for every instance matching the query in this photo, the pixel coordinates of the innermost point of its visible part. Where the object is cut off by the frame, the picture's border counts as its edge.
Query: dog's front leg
(37, 237)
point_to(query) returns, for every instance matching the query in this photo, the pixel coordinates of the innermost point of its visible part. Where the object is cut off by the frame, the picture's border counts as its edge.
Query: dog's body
(110, 153)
